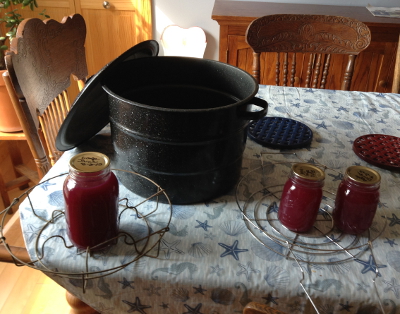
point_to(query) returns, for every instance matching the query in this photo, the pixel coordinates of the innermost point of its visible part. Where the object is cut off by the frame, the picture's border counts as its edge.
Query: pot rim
(246, 100)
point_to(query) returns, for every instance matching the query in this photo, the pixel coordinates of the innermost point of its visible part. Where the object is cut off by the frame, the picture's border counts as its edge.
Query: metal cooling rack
(143, 210)
(323, 244)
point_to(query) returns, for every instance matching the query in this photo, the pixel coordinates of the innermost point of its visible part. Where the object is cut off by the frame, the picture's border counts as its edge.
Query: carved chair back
(396, 75)
(304, 44)
(42, 58)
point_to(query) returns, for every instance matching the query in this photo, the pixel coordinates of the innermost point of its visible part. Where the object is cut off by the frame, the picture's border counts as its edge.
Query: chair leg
(16, 159)
(3, 192)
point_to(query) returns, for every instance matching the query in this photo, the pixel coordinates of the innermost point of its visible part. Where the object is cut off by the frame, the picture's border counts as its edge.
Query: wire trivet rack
(258, 200)
(145, 242)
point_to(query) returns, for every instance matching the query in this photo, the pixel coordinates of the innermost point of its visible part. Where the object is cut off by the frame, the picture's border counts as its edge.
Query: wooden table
(374, 66)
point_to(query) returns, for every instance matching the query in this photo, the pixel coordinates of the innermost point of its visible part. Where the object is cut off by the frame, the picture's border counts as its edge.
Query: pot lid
(89, 112)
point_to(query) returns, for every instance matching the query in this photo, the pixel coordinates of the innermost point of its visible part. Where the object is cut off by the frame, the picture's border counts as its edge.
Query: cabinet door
(373, 71)
(114, 29)
(57, 9)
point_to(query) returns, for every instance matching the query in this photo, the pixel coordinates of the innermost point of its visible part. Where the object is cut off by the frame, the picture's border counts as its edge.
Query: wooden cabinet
(110, 30)
(374, 66)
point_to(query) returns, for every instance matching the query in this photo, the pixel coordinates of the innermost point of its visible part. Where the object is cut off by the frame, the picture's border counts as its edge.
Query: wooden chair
(295, 37)
(42, 58)
(258, 308)
(396, 76)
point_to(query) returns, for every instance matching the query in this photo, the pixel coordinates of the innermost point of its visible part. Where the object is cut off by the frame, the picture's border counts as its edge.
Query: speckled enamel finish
(191, 148)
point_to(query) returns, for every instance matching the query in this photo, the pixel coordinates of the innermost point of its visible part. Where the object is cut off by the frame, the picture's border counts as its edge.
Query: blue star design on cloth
(31, 233)
(199, 290)
(195, 310)
(341, 108)
(337, 177)
(232, 250)
(125, 284)
(322, 125)
(216, 270)
(168, 248)
(270, 299)
(247, 270)
(362, 286)
(203, 225)
(346, 306)
(137, 306)
(45, 185)
(374, 110)
(370, 265)
(393, 221)
(392, 286)
(390, 242)
(273, 208)
(395, 232)
(164, 305)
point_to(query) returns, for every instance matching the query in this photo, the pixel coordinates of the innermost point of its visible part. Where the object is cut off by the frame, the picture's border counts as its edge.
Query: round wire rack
(323, 244)
(258, 196)
(140, 232)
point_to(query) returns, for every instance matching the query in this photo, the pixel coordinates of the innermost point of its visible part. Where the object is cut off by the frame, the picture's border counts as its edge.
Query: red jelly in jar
(357, 199)
(91, 199)
(301, 197)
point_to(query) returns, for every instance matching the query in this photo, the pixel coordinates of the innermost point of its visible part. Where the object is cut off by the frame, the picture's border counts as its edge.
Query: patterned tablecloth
(215, 260)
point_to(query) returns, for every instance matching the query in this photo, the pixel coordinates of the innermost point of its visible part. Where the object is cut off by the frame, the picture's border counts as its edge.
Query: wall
(187, 13)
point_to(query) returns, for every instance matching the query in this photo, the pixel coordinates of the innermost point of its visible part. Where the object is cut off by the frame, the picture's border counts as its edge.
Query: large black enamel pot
(182, 123)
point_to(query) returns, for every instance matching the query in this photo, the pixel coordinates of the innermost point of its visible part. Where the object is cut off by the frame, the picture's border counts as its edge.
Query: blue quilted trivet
(281, 133)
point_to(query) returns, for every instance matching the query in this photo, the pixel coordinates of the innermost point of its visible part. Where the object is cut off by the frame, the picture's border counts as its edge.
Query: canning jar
(356, 200)
(301, 197)
(91, 199)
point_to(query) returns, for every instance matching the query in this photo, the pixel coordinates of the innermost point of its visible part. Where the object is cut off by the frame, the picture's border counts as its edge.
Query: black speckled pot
(182, 123)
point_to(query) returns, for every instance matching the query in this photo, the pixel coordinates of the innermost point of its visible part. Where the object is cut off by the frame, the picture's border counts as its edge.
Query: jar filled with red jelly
(91, 199)
(357, 199)
(301, 197)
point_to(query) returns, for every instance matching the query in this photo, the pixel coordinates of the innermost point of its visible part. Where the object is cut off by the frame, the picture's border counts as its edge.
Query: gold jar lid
(89, 162)
(363, 175)
(309, 172)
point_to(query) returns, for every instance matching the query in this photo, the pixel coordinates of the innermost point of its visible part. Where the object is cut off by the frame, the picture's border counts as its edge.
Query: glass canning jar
(301, 197)
(91, 199)
(357, 199)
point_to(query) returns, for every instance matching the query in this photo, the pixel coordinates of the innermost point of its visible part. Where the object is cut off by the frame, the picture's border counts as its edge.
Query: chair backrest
(296, 36)
(185, 42)
(396, 75)
(42, 58)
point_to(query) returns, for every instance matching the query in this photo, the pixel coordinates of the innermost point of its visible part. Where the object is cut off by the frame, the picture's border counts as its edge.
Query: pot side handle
(243, 110)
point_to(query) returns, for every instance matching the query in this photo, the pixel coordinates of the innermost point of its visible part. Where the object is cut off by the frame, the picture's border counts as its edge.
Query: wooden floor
(24, 290)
